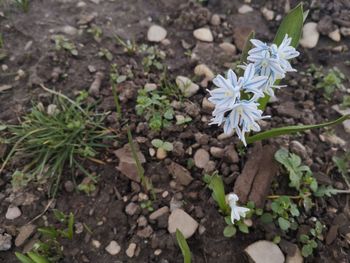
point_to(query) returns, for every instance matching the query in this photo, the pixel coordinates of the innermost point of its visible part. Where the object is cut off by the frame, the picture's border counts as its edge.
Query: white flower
(285, 52)
(242, 119)
(236, 211)
(229, 89)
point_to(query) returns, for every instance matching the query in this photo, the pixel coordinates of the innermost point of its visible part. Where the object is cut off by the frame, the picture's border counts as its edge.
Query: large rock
(24, 233)
(310, 35)
(203, 34)
(156, 33)
(187, 87)
(265, 252)
(179, 219)
(127, 164)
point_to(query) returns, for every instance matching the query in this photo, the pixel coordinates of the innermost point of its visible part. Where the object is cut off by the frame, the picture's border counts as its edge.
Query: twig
(42, 213)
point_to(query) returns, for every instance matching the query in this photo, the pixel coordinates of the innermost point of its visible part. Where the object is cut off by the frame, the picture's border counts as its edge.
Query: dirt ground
(32, 59)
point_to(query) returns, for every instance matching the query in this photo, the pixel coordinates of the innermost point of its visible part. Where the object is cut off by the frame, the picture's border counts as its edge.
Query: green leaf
(157, 143)
(185, 249)
(168, 146)
(266, 218)
(70, 230)
(230, 231)
(121, 79)
(325, 191)
(276, 239)
(292, 24)
(48, 231)
(23, 258)
(169, 114)
(37, 258)
(304, 238)
(217, 186)
(243, 227)
(283, 223)
(3, 127)
(293, 129)
(306, 250)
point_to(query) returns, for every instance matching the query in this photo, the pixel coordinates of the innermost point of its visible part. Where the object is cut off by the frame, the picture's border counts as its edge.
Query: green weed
(96, 32)
(63, 43)
(309, 241)
(23, 5)
(185, 249)
(105, 53)
(159, 144)
(50, 141)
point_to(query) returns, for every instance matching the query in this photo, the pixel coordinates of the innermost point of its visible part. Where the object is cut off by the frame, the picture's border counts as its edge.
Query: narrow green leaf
(70, 229)
(292, 129)
(292, 25)
(38, 258)
(217, 186)
(23, 258)
(185, 249)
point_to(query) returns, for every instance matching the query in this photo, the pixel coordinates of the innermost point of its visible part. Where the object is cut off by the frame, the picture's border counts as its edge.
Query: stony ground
(193, 42)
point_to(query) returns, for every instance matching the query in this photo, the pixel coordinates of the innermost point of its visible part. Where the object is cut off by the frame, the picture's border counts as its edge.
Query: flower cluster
(236, 99)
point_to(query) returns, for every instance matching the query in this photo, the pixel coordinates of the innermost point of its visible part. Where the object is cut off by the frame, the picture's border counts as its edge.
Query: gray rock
(179, 219)
(215, 20)
(201, 158)
(145, 232)
(24, 233)
(295, 258)
(310, 35)
(345, 31)
(187, 87)
(203, 34)
(346, 125)
(268, 14)
(265, 252)
(228, 48)
(217, 152)
(69, 30)
(335, 35)
(132, 209)
(113, 248)
(299, 149)
(5, 242)
(180, 173)
(158, 213)
(13, 212)
(156, 33)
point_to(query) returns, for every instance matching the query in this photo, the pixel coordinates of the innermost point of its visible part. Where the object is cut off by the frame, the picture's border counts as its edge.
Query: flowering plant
(240, 100)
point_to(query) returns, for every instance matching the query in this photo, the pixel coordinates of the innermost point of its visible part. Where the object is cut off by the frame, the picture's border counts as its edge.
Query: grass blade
(293, 129)
(22, 258)
(185, 249)
(216, 184)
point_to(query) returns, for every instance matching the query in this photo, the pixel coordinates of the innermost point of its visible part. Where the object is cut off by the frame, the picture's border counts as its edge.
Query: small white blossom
(285, 52)
(237, 212)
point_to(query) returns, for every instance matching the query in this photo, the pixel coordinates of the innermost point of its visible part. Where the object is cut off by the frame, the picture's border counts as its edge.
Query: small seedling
(62, 43)
(155, 108)
(88, 185)
(162, 148)
(147, 205)
(185, 249)
(49, 249)
(309, 241)
(105, 53)
(96, 32)
(152, 58)
(130, 47)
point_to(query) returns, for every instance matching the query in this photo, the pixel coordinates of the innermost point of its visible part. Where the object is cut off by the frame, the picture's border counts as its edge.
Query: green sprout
(105, 53)
(63, 43)
(159, 144)
(309, 241)
(185, 249)
(96, 32)
(23, 5)
(130, 47)
(152, 58)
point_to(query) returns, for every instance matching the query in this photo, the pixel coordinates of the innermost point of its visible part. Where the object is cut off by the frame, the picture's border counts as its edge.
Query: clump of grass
(49, 142)
(22, 4)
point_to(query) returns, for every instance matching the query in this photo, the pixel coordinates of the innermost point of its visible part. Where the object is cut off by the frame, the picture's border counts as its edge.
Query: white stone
(156, 33)
(179, 219)
(5, 242)
(69, 30)
(203, 34)
(130, 252)
(310, 35)
(215, 20)
(113, 248)
(265, 252)
(245, 9)
(187, 87)
(335, 35)
(96, 243)
(268, 14)
(13, 213)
